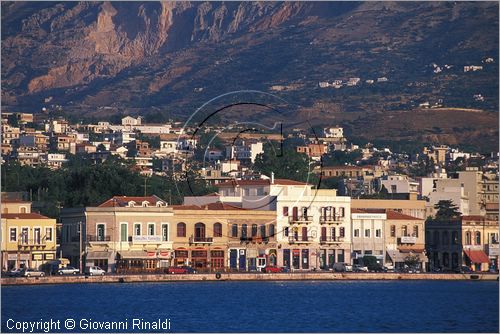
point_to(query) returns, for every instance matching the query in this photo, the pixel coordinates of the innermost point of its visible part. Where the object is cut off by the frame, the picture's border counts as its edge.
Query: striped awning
(98, 255)
(134, 255)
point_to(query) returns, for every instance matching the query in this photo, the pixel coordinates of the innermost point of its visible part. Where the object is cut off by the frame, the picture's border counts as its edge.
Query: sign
(49, 256)
(165, 254)
(369, 216)
(146, 238)
(12, 257)
(493, 250)
(408, 240)
(37, 256)
(152, 254)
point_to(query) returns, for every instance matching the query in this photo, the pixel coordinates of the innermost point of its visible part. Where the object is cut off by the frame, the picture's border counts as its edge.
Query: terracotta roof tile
(394, 215)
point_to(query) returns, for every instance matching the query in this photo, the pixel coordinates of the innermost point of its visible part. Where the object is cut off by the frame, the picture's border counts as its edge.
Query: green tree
(446, 210)
(12, 120)
(412, 261)
(339, 158)
(288, 165)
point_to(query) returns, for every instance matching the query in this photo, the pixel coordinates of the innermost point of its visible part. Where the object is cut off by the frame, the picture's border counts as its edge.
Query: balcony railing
(96, 238)
(201, 240)
(298, 239)
(31, 242)
(330, 220)
(300, 219)
(329, 239)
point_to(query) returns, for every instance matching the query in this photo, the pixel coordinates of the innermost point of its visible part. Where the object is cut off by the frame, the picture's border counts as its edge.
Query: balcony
(31, 243)
(254, 240)
(331, 220)
(201, 240)
(96, 238)
(331, 240)
(300, 219)
(300, 239)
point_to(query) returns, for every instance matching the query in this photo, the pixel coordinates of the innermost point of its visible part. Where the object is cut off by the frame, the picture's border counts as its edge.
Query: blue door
(243, 260)
(233, 258)
(286, 258)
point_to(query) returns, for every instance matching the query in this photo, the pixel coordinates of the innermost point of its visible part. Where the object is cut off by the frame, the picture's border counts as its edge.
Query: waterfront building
(132, 234)
(480, 242)
(217, 236)
(368, 233)
(411, 207)
(443, 244)
(404, 236)
(28, 238)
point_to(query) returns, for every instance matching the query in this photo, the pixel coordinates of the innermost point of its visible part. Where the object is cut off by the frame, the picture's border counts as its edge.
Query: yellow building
(480, 242)
(28, 239)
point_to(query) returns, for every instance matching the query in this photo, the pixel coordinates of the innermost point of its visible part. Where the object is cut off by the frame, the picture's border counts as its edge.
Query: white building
(244, 151)
(399, 184)
(334, 132)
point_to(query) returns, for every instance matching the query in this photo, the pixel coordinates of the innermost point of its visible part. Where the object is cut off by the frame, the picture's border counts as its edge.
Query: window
(23, 209)
(164, 232)
(285, 232)
(304, 233)
(244, 231)
(446, 240)
(37, 235)
(323, 233)
(24, 235)
(333, 232)
(356, 233)
(342, 232)
(151, 229)
(181, 230)
(367, 233)
(217, 230)
(342, 212)
(254, 230)
(404, 231)
(263, 231)
(285, 211)
(137, 229)
(199, 232)
(478, 238)
(436, 238)
(234, 231)
(271, 230)
(378, 233)
(48, 233)
(295, 213)
(393, 231)
(13, 234)
(454, 238)
(415, 231)
(123, 232)
(304, 213)
(467, 238)
(100, 232)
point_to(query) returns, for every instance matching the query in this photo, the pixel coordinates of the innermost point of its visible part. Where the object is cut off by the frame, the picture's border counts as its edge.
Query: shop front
(199, 259)
(143, 261)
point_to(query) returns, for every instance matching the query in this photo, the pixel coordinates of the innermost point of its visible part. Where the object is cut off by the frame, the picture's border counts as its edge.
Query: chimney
(272, 177)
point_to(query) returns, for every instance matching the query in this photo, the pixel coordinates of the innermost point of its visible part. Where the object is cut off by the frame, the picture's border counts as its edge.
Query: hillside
(98, 59)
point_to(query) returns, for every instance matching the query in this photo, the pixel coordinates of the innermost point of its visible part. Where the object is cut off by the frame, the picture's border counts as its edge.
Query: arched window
(217, 230)
(181, 230)
(393, 231)
(415, 231)
(478, 238)
(467, 238)
(263, 231)
(23, 209)
(244, 231)
(234, 231)
(404, 231)
(199, 232)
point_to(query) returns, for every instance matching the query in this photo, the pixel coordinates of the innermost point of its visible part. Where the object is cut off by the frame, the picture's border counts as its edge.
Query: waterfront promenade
(306, 276)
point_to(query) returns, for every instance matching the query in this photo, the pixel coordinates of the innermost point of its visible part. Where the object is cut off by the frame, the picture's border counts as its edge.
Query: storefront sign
(49, 256)
(146, 238)
(37, 256)
(493, 250)
(369, 216)
(12, 257)
(408, 240)
(151, 254)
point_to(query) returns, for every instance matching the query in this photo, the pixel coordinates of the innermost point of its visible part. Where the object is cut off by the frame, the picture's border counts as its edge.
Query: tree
(288, 165)
(12, 120)
(446, 210)
(412, 261)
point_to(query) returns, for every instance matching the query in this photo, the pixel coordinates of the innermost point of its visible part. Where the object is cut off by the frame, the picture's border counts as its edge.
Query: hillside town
(359, 208)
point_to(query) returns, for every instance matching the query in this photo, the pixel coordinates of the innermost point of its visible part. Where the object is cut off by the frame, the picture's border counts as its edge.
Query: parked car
(272, 269)
(16, 272)
(181, 270)
(341, 267)
(389, 268)
(68, 271)
(33, 273)
(357, 268)
(96, 271)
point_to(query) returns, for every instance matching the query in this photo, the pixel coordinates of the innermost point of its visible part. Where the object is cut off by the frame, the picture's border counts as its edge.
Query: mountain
(168, 58)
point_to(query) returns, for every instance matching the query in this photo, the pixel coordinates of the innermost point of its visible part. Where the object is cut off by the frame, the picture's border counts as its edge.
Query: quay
(306, 276)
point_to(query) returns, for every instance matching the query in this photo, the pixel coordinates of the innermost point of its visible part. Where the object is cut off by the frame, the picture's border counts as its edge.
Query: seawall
(306, 276)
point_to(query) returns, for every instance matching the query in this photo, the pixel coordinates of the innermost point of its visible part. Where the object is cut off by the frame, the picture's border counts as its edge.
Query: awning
(398, 256)
(411, 248)
(476, 256)
(98, 255)
(134, 255)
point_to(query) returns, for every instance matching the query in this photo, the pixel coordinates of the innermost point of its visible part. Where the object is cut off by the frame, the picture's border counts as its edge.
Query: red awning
(477, 256)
